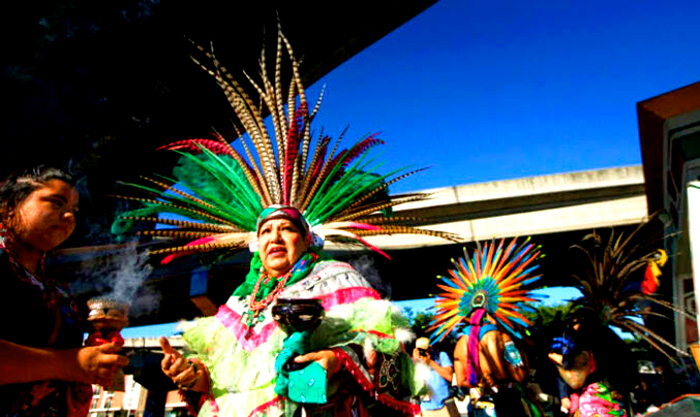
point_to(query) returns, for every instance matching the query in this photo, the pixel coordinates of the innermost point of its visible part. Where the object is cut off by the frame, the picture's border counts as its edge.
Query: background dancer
(489, 290)
(589, 356)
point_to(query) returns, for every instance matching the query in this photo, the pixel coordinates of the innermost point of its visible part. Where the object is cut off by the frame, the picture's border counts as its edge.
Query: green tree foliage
(421, 321)
(551, 317)
(548, 321)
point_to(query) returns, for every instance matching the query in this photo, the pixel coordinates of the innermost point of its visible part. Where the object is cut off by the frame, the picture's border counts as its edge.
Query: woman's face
(46, 217)
(281, 244)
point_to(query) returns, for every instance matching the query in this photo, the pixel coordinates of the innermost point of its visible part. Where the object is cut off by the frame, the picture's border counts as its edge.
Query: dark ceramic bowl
(297, 314)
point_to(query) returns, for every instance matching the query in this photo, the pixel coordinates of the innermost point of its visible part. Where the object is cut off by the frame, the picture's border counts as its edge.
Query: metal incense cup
(107, 315)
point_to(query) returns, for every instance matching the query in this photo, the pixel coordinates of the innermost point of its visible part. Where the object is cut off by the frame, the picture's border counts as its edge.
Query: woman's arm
(494, 359)
(95, 365)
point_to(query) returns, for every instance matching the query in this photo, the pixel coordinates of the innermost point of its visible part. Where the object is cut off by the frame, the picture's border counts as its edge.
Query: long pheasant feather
(219, 191)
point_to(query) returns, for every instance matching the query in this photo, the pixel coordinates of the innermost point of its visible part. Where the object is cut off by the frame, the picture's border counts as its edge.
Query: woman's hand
(325, 358)
(92, 364)
(185, 374)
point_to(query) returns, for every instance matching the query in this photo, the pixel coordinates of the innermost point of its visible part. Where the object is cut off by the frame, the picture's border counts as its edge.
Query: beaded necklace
(255, 307)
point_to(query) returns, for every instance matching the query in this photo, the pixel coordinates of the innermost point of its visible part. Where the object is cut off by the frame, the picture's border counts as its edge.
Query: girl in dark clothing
(44, 370)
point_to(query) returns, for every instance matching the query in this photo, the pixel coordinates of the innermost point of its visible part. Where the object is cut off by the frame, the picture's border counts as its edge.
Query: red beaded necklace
(255, 307)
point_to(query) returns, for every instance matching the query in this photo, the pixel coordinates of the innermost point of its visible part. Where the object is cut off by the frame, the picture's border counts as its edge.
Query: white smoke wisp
(365, 266)
(129, 271)
(119, 275)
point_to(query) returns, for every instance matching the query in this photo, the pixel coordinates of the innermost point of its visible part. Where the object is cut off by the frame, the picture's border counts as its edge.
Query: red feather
(346, 156)
(362, 147)
(190, 145)
(650, 283)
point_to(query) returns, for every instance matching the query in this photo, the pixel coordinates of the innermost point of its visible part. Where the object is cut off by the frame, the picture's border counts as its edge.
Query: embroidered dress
(39, 313)
(242, 369)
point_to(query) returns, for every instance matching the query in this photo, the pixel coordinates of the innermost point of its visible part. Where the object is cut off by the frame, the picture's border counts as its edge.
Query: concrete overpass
(529, 206)
(556, 210)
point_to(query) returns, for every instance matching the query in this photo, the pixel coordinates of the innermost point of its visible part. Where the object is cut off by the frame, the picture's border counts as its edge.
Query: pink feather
(200, 241)
(355, 225)
(359, 239)
(374, 248)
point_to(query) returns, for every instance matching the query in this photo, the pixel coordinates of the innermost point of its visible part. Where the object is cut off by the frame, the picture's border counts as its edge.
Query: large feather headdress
(611, 281)
(221, 190)
(495, 281)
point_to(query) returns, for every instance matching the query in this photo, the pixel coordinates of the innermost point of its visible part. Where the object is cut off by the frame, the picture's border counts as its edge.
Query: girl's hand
(92, 364)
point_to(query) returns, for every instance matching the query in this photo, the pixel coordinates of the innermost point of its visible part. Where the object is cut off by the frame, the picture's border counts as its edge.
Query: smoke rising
(365, 266)
(127, 272)
(120, 276)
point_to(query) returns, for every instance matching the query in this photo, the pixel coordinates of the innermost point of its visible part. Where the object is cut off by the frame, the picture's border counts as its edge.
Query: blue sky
(489, 90)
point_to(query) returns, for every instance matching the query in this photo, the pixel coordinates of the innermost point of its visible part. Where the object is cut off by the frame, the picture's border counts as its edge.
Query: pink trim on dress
(232, 321)
(347, 296)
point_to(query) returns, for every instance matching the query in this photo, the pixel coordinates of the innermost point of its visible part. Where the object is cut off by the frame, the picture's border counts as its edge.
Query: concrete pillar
(693, 192)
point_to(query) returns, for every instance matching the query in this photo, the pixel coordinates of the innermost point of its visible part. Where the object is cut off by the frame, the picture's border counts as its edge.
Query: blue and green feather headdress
(496, 281)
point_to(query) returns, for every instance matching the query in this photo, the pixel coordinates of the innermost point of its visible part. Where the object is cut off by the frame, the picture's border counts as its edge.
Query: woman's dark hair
(19, 185)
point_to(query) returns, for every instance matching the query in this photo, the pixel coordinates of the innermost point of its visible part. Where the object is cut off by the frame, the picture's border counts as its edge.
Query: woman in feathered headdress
(283, 204)
(488, 293)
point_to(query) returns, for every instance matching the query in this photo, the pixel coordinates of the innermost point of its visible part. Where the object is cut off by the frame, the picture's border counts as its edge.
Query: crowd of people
(303, 334)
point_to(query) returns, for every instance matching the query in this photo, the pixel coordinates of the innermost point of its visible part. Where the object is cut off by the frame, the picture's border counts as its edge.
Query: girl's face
(46, 218)
(280, 246)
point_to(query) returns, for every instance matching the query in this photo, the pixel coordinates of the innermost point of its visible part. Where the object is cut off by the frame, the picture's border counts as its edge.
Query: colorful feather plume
(495, 281)
(220, 190)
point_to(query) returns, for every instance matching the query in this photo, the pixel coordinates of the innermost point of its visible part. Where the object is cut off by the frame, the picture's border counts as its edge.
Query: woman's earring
(2, 235)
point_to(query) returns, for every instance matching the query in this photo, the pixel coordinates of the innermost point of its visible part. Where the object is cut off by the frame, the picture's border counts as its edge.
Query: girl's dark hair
(19, 185)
